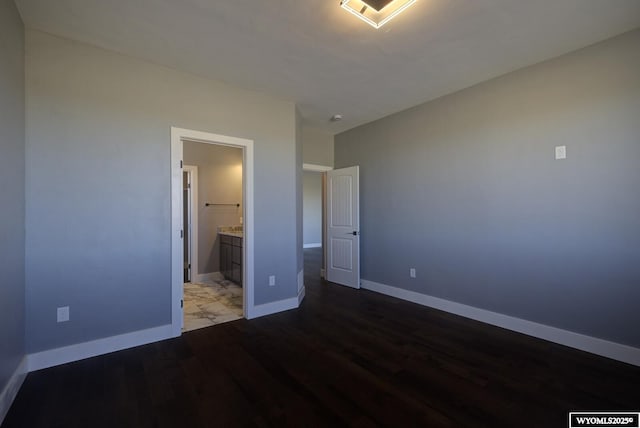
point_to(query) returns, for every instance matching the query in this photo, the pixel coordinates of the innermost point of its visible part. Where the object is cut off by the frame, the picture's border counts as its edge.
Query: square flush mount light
(376, 12)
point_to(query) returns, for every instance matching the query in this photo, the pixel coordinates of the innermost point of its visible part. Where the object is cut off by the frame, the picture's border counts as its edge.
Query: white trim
(301, 288)
(316, 168)
(80, 351)
(300, 280)
(590, 344)
(177, 135)
(324, 225)
(176, 225)
(207, 277)
(275, 307)
(313, 245)
(12, 387)
(193, 210)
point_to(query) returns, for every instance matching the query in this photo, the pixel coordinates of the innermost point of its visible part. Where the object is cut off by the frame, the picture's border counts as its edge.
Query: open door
(186, 218)
(343, 227)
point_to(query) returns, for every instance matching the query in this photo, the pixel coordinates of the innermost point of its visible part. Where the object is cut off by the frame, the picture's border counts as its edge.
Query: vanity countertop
(234, 234)
(234, 231)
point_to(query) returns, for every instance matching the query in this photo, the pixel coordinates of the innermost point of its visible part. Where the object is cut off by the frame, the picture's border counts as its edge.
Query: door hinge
(180, 164)
(181, 233)
(181, 303)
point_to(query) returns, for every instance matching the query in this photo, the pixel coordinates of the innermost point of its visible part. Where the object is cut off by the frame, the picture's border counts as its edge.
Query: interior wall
(312, 208)
(98, 186)
(317, 146)
(12, 177)
(219, 182)
(466, 190)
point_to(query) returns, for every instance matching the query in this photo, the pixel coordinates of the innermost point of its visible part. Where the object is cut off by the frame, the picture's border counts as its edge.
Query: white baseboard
(274, 307)
(207, 277)
(616, 351)
(300, 280)
(313, 245)
(301, 294)
(12, 387)
(80, 351)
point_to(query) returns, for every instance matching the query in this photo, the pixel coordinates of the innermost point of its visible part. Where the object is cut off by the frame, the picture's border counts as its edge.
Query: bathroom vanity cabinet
(231, 257)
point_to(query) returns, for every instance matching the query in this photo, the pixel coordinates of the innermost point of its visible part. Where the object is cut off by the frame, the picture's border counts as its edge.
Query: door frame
(192, 170)
(177, 249)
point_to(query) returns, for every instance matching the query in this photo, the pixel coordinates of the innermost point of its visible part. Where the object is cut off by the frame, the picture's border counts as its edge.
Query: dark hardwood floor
(344, 358)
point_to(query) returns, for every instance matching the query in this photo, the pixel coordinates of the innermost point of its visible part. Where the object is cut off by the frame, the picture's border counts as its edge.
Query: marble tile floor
(211, 303)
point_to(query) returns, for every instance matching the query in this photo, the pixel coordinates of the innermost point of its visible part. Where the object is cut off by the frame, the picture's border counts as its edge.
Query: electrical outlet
(272, 280)
(412, 272)
(63, 314)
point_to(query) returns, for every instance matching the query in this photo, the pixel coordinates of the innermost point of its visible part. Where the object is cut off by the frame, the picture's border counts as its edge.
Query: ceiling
(315, 53)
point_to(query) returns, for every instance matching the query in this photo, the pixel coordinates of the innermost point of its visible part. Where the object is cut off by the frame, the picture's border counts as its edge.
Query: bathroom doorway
(214, 200)
(212, 196)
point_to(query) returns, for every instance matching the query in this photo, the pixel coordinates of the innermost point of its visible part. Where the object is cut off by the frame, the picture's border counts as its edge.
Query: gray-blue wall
(12, 176)
(466, 190)
(98, 186)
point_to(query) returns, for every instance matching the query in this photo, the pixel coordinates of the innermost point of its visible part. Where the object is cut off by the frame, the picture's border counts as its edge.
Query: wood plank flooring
(344, 358)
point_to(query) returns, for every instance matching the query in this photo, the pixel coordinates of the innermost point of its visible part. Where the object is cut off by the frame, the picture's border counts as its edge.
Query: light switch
(561, 152)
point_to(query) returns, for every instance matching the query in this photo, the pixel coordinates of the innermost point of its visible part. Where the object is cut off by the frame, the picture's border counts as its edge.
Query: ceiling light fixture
(376, 12)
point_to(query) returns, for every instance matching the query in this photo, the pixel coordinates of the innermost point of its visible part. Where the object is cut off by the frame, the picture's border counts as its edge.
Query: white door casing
(343, 227)
(177, 259)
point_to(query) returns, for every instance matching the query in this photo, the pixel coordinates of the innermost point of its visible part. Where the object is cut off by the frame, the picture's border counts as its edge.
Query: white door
(343, 227)
(186, 217)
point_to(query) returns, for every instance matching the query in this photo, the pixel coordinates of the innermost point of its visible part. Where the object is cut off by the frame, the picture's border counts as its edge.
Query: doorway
(340, 223)
(314, 215)
(212, 194)
(244, 209)
(312, 218)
